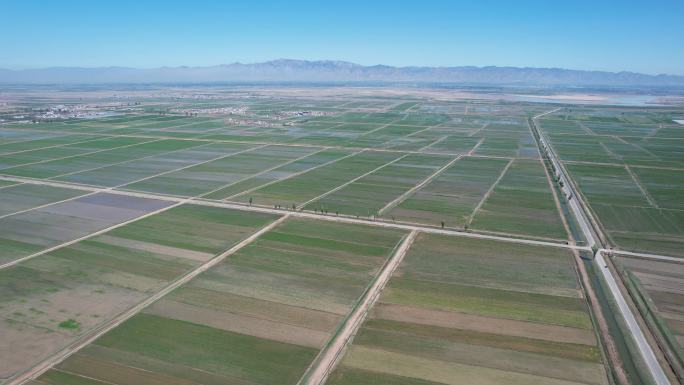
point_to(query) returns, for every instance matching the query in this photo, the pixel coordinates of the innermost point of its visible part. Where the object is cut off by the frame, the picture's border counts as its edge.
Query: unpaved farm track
(330, 355)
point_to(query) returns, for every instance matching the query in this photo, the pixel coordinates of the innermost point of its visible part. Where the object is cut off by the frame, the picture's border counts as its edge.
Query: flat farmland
(657, 286)
(241, 234)
(638, 207)
(123, 151)
(259, 317)
(582, 141)
(582, 147)
(69, 151)
(44, 227)
(452, 144)
(317, 134)
(13, 140)
(370, 194)
(55, 298)
(464, 311)
(420, 140)
(513, 145)
(628, 167)
(22, 197)
(664, 186)
(668, 150)
(217, 174)
(314, 183)
(620, 127)
(452, 196)
(285, 171)
(521, 203)
(36, 141)
(506, 137)
(553, 125)
(134, 170)
(608, 185)
(383, 136)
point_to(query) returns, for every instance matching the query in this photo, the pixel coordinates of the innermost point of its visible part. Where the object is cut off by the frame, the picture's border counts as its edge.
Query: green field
(370, 194)
(638, 206)
(453, 195)
(312, 184)
(346, 161)
(655, 285)
(522, 203)
(462, 311)
(259, 317)
(488, 294)
(52, 300)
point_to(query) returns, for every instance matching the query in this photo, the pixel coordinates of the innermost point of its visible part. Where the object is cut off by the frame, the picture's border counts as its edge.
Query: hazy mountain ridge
(336, 71)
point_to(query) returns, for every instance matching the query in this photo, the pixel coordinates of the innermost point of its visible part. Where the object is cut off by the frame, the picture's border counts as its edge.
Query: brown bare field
(456, 320)
(450, 373)
(274, 311)
(156, 248)
(237, 323)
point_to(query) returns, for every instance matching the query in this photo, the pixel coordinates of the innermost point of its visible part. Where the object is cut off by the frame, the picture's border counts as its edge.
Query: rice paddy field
(239, 235)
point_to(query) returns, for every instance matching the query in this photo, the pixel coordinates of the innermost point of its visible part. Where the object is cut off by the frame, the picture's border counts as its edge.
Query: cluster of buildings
(241, 110)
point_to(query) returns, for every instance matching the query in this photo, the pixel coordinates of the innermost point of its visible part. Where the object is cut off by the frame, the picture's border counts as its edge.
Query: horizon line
(29, 68)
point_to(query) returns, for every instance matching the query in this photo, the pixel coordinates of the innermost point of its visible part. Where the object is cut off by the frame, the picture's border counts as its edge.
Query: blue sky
(642, 36)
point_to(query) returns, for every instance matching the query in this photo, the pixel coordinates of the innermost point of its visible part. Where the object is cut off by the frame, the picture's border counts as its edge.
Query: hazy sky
(643, 36)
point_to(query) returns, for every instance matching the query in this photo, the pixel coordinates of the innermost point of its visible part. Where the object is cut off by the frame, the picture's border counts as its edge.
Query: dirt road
(333, 351)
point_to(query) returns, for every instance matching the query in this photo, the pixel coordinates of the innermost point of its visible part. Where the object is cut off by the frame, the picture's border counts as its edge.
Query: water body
(610, 100)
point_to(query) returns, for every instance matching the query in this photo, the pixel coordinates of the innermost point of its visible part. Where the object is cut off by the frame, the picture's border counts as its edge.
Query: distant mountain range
(287, 70)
